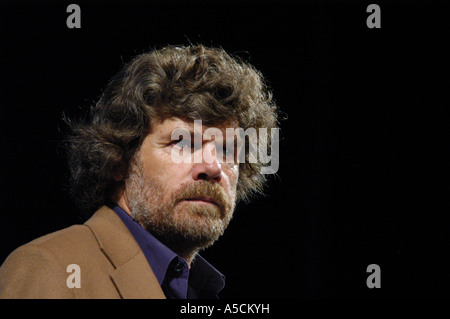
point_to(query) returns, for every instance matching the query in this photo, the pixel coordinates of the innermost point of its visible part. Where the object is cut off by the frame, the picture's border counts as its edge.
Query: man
(152, 213)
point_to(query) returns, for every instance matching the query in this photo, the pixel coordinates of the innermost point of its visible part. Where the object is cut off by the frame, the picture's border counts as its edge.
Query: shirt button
(178, 269)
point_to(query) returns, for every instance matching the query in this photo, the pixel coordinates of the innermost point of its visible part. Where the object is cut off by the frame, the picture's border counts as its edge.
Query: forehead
(168, 125)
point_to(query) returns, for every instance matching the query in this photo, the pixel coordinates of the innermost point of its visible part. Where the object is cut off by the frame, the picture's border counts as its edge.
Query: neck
(181, 246)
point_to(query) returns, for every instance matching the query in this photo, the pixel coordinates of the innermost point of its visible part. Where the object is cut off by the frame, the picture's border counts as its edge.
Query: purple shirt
(172, 271)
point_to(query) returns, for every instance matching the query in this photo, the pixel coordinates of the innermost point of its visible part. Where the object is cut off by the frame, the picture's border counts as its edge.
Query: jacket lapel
(132, 274)
(134, 284)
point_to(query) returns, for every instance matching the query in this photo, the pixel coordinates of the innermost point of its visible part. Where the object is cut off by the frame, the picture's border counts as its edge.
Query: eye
(227, 151)
(181, 143)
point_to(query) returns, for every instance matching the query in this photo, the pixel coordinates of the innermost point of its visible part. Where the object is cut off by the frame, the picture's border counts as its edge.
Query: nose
(208, 169)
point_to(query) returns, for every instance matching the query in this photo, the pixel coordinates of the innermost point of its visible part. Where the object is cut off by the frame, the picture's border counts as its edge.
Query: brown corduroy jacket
(110, 261)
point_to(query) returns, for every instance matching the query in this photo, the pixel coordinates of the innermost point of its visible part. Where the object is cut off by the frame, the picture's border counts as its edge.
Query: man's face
(185, 205)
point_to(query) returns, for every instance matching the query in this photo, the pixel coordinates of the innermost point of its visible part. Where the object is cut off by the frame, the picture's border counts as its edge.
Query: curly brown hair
(188, 82)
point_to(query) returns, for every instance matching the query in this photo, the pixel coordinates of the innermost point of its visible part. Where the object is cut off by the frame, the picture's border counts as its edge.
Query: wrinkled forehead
(167, 126)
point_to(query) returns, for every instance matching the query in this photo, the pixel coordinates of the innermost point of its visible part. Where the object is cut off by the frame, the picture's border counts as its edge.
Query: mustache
(204, 189)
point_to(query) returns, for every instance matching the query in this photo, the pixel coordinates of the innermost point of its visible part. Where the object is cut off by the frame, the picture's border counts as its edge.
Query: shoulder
(42, 263)
(66, 241)
(63, 245)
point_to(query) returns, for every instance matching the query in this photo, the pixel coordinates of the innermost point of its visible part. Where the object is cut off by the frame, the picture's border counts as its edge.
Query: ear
(119, 173)
(118, 177)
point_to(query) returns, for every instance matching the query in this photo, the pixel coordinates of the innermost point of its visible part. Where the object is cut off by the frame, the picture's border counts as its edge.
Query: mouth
(203, 200)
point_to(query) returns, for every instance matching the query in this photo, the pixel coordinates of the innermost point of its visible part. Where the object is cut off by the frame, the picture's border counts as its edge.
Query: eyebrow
(192, 133)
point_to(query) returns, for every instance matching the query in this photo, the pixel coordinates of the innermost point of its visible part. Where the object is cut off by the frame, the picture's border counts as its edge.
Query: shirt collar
(204, 276)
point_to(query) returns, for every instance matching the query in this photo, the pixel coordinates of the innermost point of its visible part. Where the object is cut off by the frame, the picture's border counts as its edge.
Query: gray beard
(182, 226)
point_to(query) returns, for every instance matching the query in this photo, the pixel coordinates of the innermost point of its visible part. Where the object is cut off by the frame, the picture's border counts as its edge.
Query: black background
(363, 175)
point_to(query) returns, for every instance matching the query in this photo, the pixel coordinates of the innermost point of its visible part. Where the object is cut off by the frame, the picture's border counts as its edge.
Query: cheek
(160, 164)
(172, 175)
(232, 176)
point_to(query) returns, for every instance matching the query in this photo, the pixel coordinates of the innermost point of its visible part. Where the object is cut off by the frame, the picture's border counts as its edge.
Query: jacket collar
(132, 276)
